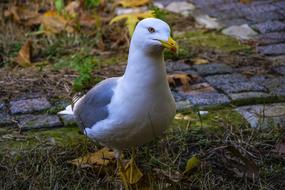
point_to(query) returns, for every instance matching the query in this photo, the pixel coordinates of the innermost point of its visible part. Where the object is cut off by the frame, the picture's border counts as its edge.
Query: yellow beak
(170, 44)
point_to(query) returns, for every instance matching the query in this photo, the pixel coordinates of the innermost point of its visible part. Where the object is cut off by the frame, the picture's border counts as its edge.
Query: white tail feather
(67, 111)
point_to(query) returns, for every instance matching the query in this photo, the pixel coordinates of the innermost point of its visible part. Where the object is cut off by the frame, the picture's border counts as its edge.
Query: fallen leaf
(54, 23)
(133, 3)
(132, 19)
(72, 8)
(198, 88)
(199, 61)
(24, 56)
(181, 78)
(192, 163)
(180, 116)
(133, 174)
(101, 157)
(23, 15)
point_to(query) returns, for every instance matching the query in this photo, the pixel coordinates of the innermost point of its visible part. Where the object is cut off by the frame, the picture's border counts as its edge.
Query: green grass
(82, 64)
(40, 161)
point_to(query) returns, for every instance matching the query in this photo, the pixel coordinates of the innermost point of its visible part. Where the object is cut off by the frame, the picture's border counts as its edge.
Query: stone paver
(234, 83)
(67, 120)
(271, 38)
(120, 10)
(280, 70)
(182, 7)
(208, 99)
(226, 78)
(241, 87)
(207, 21)
(264, 115)
(275, 49)
(260, 79)
(29, 105)
(243, 32)
(29, 121)
(276, 86)
(248, 95)
(263, 17)
(167, 2)
(269, 26)
(213, 69)
(5, 118)
(176, 66)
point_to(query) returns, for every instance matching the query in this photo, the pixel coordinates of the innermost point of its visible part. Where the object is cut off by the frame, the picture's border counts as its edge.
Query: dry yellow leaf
(24, 56)
(133, 3)
(182, 78)
(102, 157)
(54, 23)
(192, 163)
(133, 174)
(199, 61)
(132, 19)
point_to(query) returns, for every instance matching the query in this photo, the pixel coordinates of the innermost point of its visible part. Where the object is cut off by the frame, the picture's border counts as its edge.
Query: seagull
(127, 111)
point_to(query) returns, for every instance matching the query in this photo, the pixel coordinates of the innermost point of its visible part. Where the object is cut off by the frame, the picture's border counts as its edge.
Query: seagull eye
(151, 30)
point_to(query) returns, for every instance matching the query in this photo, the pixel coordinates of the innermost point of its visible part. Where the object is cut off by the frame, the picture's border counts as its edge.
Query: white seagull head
(152, 35)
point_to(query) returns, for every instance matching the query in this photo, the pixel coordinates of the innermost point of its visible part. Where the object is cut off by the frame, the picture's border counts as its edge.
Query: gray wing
(93, 107)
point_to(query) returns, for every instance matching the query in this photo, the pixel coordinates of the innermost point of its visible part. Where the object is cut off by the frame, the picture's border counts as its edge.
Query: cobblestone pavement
(266, 17)
(215, 84)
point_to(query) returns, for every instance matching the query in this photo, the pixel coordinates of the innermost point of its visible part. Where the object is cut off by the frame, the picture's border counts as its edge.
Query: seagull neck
(145, 68)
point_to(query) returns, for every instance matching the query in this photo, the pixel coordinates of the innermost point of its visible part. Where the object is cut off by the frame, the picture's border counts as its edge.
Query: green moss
(62, 137)
(212, 40)
(183, 53)
(258, 100)
(211, 121)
